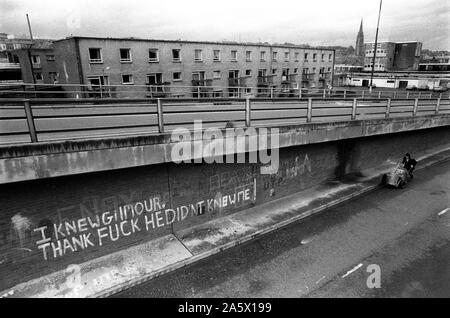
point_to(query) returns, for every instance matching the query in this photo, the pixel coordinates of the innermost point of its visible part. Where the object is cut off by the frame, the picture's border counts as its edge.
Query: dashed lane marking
(443, 211)
(352, 270)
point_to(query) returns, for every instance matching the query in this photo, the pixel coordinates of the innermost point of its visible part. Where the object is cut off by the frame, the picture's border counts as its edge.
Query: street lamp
(102, 79)
(375, 48)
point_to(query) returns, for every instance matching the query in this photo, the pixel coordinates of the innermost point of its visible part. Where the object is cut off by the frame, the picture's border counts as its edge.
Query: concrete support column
(30, 120)
(438, 104)
(248, 112)
(416, 105)
(354, 107)
(160, 116)
(388, 107)
(309, 112)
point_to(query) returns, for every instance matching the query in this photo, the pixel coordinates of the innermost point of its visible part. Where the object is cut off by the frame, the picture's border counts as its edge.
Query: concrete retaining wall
(48, 224)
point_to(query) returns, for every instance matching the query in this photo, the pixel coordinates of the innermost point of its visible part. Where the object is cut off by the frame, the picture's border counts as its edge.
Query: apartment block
(38, 65)
(393, 56)
(210, 69)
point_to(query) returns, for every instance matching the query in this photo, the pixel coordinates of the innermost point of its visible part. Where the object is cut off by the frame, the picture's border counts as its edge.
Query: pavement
(136, 265)
(404, 233)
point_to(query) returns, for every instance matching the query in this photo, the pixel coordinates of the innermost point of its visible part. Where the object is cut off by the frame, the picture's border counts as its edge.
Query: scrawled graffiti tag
(289, 169)
(16, 243)
(70, 235)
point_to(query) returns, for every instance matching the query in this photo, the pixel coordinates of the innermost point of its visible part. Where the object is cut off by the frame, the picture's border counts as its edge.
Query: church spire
(359, 48)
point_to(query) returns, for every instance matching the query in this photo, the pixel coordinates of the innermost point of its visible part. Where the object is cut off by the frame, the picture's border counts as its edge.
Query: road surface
(405, 232)
(67, 122)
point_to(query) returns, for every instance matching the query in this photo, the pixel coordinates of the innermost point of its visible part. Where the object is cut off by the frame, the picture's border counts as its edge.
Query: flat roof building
(203, 68)
(393, 56)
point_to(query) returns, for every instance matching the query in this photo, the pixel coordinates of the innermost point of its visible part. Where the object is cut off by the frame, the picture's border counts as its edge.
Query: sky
(323, 22)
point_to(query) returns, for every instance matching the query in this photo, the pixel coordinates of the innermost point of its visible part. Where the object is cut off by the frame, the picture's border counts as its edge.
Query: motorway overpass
(83, 181)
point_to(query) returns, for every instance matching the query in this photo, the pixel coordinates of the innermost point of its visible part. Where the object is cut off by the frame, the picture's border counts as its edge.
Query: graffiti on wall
(91, 231)
(289, 169)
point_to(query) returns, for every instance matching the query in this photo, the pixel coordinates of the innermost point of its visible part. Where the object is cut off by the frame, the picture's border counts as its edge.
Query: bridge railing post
(30, 120)
(345, 93)
(379, 95)
(248, 112)
(362, 94)
(354, 107)
(438, 104)
(300, 93)
(416, 105)
(309, 111)
(324, 93)
(160, 111)
(388, 107)
(407, 95)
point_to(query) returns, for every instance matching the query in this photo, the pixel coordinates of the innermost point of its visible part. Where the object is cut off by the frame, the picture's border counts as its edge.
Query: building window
(248, 56)
(314, 70)
(54, 77)
(38, 76)
(95, 55)
(305, 70)
(263, 56)
(296, 56)
(329, 69)
(35, 59)
(216, 55)
(330, 57)
(198, 55)
(50, 58)
(125, 55)
(323, 57)
(153, 55)
(274, 56)
(286, 56)
(155, 79)
(295, 70)
(306, 57)
(315, 57)
(274, 71)
(176, 55)
(234, 55)
(176, 76)
(216, 74)
(248, 72)
(127, 79)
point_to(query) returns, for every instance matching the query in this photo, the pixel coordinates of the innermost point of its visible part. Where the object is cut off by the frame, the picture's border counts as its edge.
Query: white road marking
(307, 240)
(320, 279)
(443, 211)
(352, 270)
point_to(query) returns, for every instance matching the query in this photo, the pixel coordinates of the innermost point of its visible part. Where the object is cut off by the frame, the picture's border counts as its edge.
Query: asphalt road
(401, 231)
(62, 122)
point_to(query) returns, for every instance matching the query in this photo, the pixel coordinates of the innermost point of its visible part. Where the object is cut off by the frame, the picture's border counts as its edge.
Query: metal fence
(205, 90)
(40, 120)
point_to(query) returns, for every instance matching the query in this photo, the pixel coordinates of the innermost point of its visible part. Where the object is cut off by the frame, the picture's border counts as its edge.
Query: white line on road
(352, 270)
(443, 211)
(320, 279)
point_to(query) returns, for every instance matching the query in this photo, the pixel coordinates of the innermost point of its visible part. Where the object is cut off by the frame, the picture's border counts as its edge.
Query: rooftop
(265, 44)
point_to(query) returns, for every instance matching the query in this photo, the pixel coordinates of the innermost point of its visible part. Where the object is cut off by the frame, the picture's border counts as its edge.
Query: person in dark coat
(409, 164)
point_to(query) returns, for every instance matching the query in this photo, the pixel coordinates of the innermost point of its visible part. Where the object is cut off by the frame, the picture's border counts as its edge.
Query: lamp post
(375, 48)
(102, 79)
